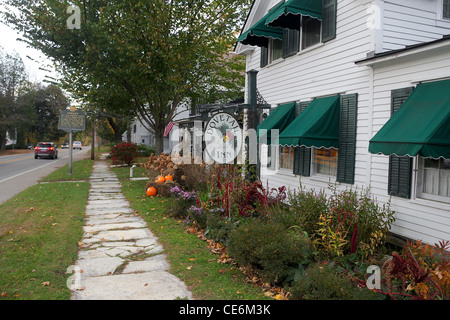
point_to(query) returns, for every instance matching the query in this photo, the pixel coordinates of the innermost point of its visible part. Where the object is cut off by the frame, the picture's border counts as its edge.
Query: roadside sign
(72, 120)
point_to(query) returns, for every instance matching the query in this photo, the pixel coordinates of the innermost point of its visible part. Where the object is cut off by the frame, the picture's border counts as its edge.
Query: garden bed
(303, 245)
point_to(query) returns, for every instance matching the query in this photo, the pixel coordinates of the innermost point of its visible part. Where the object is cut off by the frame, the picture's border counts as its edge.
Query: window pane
(445, 164)
(277, 49)
(310, 32)
(325, 161)
(436, 178)
(446, 13)
(287, 158)
(431, 163)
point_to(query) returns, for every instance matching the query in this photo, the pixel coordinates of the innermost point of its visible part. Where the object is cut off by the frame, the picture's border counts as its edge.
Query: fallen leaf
(239, 292)
(45, 283)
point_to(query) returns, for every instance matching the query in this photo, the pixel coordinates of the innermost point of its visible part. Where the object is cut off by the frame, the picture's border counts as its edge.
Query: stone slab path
(120, 258)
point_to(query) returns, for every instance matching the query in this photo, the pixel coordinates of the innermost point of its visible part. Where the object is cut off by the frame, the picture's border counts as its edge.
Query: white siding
(329, 69)
(408, 22)
(415, 218)
(326, 69)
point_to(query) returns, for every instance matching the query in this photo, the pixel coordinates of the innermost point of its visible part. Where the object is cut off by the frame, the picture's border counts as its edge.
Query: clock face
(223, 138)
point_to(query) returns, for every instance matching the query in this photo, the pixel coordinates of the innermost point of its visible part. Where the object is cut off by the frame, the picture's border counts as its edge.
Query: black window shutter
(329, 14)
(264, 56)
(291, 41)
(400, 168)
(347, 139)
(302, 155)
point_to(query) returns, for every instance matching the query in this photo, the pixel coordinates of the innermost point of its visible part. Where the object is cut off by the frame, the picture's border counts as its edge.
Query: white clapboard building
(361, 90)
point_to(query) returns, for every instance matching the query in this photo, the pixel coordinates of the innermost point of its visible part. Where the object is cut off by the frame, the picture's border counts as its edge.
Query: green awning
(279, 119)
(317, 126)
(259, 34)
(288, 15)
(421, 126)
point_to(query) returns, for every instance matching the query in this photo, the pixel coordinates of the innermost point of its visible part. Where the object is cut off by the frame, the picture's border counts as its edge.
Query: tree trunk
(159, 135)
(2, 141)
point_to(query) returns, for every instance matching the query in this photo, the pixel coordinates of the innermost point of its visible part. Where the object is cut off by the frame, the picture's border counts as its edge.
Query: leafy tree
(43, 105)
(12, 78)
(153, 54)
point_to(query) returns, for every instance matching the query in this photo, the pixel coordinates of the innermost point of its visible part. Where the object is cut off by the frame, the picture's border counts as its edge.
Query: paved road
(18, 172)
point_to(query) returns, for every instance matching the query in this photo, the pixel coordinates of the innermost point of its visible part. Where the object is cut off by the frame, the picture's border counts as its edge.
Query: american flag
(168, 128)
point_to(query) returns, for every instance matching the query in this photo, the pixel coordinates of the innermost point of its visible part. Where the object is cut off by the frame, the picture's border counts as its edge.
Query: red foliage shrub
(124, 153)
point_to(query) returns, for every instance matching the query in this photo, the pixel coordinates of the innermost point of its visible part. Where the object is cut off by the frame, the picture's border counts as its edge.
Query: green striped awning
(287, 16)
(279, 118)
(421, 126)
(259, 34)
(317, 126)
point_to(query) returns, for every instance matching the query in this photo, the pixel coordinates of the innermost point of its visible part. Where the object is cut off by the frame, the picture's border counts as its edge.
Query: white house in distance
(141, 135)
(365, 87)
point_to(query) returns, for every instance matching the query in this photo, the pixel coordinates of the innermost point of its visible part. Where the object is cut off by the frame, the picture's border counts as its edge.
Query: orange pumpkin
(160, 179)
(168, 177)
(151, 192)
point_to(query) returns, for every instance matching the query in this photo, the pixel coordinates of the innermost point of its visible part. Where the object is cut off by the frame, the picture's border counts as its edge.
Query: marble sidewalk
(119, 257)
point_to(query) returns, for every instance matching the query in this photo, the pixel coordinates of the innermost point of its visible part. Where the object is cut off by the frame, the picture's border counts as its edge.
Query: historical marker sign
(72, 120)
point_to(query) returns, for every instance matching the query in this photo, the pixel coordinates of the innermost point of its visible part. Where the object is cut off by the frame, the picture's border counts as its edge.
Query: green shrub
(219, 228)
(324, 282)
(268, 249)
(342, 223)
(146, 151)
(305, 209)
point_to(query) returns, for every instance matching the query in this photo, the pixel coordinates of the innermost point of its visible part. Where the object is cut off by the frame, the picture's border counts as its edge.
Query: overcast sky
(10, 44)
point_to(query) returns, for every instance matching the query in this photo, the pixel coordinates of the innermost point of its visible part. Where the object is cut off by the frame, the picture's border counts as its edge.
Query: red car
(45, 149)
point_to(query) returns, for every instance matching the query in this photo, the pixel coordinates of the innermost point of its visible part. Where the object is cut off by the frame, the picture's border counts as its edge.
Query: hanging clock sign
(223, 138)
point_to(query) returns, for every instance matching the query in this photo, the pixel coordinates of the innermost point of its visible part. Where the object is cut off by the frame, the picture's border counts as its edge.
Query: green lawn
(39, 233)
(40, 229)
(81, 170)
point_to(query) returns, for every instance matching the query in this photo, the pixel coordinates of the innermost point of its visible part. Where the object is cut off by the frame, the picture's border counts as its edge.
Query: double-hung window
(325, 162)
(311, 31)
(434, 179)
(276, 49)
(286, 157)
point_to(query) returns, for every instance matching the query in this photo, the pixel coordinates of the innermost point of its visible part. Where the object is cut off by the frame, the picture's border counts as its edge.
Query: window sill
(323, 178)
(431, 201)
(313, 47)
(280, 60)
(274, 63)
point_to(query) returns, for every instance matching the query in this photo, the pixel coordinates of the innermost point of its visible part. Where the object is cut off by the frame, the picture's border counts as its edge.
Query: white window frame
(301, 38)
(440, 11)
(271, 50)
(300, 49)
(291, 161)
(322, 176)
(419, 185)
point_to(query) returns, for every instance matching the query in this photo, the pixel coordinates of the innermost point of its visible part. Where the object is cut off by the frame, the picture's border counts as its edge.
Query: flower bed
(305, 243)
